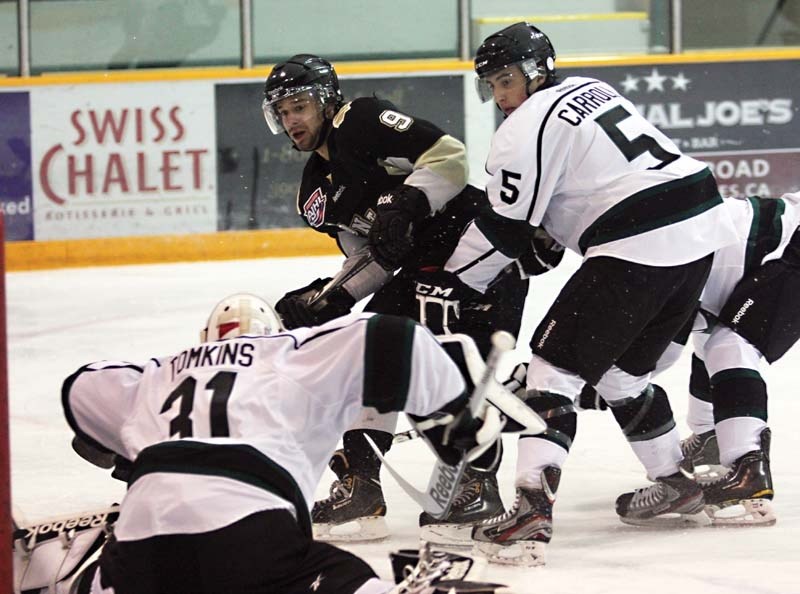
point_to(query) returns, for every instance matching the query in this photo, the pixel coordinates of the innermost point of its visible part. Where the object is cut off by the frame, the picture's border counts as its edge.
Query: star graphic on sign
(631, 83)
(655, 81)
(680, 82)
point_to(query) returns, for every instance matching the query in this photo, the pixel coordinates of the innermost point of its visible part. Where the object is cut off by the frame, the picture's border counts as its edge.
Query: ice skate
(670, 501)
(701, 456)
(355, 509)
(478, 500)
(436, 572)
(519, 536)
(743, 497)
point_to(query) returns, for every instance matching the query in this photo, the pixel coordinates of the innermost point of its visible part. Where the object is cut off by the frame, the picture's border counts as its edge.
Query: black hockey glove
(590, 399)
(542, 255)
(442, 296)
(391, 236)
(296, 310)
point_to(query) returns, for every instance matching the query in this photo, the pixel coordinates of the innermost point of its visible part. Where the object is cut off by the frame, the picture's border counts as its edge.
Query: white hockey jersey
(766, 226)
(251, 421)
(580, 161)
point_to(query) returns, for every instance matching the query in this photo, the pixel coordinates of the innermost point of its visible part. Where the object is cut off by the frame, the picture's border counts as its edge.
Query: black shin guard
(558, 412)
(645, 417)
(739, 393)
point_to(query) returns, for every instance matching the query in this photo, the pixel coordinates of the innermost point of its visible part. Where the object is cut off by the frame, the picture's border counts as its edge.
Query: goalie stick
(444, 480)
(360, 261)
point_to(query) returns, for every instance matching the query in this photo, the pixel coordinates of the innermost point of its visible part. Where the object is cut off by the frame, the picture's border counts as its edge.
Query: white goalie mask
(241, 314)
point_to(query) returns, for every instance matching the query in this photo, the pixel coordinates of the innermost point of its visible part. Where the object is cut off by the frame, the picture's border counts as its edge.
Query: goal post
(6, 566)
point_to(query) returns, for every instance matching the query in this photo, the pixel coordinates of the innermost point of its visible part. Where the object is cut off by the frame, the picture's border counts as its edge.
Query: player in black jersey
(392, 190)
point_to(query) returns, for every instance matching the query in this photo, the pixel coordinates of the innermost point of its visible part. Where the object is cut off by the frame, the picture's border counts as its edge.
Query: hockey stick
(360, 261)
(444, 480)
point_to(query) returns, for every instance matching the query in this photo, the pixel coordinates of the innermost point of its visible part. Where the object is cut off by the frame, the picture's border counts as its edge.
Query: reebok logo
(546, 334)
(53, 529)
(385, 200)
(742, 310)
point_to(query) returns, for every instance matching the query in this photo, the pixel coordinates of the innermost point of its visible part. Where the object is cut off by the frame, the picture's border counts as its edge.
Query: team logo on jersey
(314, 208)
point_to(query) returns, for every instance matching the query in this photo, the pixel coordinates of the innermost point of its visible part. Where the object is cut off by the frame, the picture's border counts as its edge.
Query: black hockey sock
(699, 383)
(739, 393)
(645, 417)
(360, 457)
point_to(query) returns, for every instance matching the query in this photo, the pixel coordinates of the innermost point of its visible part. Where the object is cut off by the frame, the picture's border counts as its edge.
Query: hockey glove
(441, 296)
(590, 399)
(455, 435)
(296, 310)
(391, 236)
(542, 255)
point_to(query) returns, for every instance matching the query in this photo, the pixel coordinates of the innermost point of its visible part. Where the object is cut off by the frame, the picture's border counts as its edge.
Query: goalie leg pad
(53, 550)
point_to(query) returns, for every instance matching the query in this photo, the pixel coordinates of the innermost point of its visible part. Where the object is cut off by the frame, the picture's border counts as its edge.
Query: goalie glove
(296, 310)
(391, 236)
(454, 434)
(542, 255)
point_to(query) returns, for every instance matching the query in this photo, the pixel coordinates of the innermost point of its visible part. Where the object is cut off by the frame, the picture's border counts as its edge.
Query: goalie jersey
(251, 420)
(578, 160)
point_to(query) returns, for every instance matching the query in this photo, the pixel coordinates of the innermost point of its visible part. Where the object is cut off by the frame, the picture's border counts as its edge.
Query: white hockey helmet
(242, 313)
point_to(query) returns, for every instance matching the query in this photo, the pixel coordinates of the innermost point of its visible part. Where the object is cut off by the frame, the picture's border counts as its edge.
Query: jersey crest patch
(314, 208)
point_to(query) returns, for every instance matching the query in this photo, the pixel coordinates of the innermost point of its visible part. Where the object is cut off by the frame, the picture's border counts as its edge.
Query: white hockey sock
(737, 436)
(700, 417)
(533, 456)
(659, 456)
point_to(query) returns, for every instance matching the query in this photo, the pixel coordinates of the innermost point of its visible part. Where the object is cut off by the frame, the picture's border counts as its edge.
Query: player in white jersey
(228, 440)
(577, 160)
(748, 312)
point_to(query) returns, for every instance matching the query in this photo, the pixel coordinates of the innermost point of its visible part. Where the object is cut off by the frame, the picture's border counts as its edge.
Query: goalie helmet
(240, 314)
(302, 74)
(520, 44)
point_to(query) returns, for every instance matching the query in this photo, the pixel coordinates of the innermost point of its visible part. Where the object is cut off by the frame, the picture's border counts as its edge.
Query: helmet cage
(530, 68)
(319, 95)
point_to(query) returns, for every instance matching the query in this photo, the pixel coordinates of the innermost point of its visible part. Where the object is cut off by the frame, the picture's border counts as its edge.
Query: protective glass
(507, 77)
(302, 103)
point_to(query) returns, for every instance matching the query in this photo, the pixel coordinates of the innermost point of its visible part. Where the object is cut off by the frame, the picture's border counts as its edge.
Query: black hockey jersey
(373, 148)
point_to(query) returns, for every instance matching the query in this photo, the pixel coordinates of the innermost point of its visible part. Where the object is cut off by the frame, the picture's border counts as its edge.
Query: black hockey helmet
(519, 44)
(302, 73)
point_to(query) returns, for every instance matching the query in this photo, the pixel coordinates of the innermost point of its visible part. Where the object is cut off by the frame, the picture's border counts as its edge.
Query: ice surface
(59, 320)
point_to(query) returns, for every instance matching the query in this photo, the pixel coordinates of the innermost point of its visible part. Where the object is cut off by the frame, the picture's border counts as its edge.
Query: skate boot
(355, 509)
(670, 501)
(743, 496)
(436, 572)
(478, 500)
(519, 536)
(701, 455)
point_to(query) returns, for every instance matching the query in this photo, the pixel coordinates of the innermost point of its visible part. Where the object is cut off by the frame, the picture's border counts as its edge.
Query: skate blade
(520, 553)
(456, 535)
(360, 529)
(748, 512)
(674, 520)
